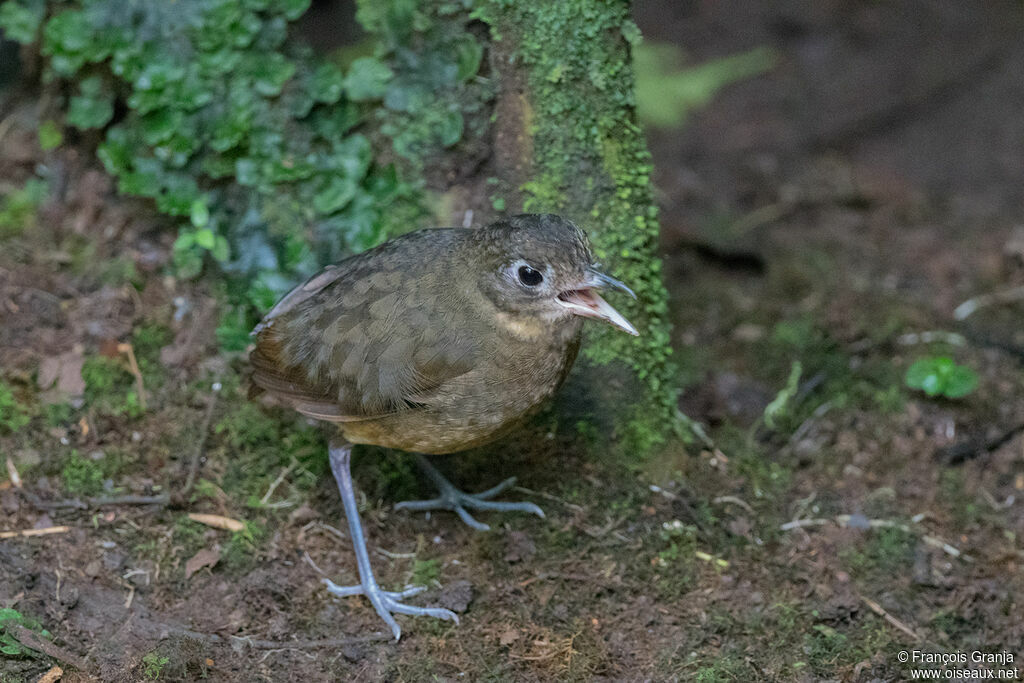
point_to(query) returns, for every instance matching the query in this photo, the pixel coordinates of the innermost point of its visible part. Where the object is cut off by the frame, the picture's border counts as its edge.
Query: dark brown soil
(855, 195)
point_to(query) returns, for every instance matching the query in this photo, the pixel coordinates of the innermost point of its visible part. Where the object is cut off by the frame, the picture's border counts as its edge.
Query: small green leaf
(159, 125)
(367, 79)
(918, 372)
(451, 128)
(932, 384)
(327, 83)
(50, 136)
(941, 376)
(293, 9)
(221, 251)
(199, 214)
(92, 107)
(186, 238)
(274, 72)
(961, 381)
(470, 53)
(336, 193)
(205, 238)
(21, 23)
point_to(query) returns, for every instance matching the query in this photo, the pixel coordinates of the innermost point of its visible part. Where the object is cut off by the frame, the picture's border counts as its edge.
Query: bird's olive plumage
(435, 342)
(431, 342)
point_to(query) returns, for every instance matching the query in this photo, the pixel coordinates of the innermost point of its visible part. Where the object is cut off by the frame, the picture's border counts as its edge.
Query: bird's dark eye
(530, 277)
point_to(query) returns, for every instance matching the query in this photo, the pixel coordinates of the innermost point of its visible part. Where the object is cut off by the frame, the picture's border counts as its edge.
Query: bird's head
(541, 265)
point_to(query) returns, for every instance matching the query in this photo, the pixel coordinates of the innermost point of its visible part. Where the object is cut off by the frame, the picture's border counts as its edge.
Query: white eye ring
(527, 276)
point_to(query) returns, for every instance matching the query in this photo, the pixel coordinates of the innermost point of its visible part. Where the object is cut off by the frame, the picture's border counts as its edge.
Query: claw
(387, 603)
(457, 501)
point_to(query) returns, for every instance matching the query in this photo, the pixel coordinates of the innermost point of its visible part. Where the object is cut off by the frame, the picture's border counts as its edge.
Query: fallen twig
(735, 501)
(52, 676)
(972, 448)
(26, 533)
(197, 454)
(217, 521)
(277, 482)
(930, 337)
(133, 367)
(546, 496)
(34, 641)
(880, 611)
(859, 521)
(79, 504)
(12, 473)
(707, 557)
(261, 644)
(1004, 296)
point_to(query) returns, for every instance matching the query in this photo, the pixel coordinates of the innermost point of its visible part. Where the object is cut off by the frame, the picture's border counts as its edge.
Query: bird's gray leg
(385, 602)
(457, 501)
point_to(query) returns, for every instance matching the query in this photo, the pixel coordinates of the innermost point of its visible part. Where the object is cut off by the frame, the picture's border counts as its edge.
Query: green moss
(425, 572)
(188, 536)
(13, 414)
(110, 388)
(729, 667)
(591, 163)
(882, 552)
(82, 476)
(18, 209)
(241, 551)
(826, 648)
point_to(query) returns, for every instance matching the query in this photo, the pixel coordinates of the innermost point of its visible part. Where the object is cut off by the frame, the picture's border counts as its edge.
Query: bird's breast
(504, 388)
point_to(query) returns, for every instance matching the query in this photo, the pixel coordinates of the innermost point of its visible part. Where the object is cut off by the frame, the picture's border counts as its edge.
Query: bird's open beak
(588, 303)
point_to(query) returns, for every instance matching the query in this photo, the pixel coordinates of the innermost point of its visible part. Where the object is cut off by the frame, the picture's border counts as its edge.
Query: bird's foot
(457, 501)
(387, 602)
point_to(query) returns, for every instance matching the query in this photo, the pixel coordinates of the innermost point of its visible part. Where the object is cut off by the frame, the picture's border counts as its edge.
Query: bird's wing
(371, 336)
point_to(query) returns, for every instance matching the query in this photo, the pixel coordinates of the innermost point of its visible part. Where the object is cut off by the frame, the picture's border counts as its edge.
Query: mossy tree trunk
(567, 141)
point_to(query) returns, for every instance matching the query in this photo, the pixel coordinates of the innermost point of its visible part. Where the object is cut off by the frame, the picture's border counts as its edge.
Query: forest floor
(830, 212)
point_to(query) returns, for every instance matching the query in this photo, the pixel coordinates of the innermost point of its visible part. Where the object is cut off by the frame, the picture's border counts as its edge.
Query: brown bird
(434, 342)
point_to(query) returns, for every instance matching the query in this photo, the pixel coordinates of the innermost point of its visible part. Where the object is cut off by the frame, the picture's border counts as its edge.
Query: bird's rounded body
(434, 342)
(402, 348)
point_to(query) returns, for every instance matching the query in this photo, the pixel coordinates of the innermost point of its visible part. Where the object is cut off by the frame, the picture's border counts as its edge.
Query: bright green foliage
(667, 90)
(941, 376)
(433, 98)
(255, 143)
(9, 645)
(13, 415)
(590, 162)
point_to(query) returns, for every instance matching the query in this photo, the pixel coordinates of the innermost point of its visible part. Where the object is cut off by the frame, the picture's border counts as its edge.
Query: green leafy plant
(941, 376)
(668, 90)
(264, 152)
(153, 665)
(11, 646)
